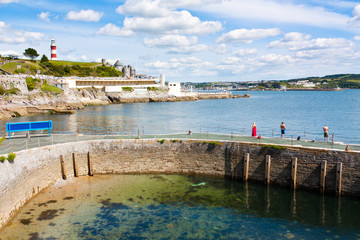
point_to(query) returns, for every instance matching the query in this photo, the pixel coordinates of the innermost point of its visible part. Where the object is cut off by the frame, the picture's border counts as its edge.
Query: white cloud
(84, 15)
(10, 52)
(84, 58)
(356, 13)
(174, 4)
(277, 59)
(161, 17)
(176, 44)
(190, 65)
(245, 52)
(247, 36)
(44, 16)
(171, 41)
(178, 22)
(278, 12)
(157, 8)
(143, 8)
(357, 38)
(13, 36)
(8, 1)
(298, 41)
(221, 49)
(113, 30)
(188, 49)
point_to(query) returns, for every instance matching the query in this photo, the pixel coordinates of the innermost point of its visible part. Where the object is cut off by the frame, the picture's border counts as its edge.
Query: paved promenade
(20, 142)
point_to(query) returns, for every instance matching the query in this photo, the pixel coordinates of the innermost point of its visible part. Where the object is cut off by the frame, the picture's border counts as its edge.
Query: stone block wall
(35, 169)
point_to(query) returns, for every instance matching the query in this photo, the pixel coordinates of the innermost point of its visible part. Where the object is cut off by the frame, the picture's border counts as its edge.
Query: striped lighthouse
(53, 49)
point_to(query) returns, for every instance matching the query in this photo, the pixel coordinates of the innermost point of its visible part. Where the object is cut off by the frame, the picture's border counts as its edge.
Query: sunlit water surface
(181, 207)
(304, 113)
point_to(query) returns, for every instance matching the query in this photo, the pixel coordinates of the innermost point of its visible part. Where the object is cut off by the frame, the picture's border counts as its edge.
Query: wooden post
(267, 169)
(246, 195)
(267, 198)
(62, 167)
(293, 204)
(90, 165)
(76, 169)
(323, 175)
(246, 167)
(293, 172)
(338, 177)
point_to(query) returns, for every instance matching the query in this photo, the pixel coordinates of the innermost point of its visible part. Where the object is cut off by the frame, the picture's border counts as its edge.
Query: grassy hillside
(333, 81)
(26, 67)
(61, 68)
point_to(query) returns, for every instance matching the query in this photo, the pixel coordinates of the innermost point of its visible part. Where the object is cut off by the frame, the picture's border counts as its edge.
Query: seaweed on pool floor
(34, 236)
(48, 214)
(46, 203)
(25, 221)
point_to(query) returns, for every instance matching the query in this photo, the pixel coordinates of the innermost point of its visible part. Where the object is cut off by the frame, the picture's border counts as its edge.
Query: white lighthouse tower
(53, 50)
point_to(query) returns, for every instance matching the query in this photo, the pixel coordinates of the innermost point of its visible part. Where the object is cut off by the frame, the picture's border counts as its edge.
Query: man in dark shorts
(282, 127)
(326, 133)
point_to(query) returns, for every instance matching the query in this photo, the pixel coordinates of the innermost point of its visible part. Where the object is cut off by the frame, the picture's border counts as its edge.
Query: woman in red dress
(253, 130)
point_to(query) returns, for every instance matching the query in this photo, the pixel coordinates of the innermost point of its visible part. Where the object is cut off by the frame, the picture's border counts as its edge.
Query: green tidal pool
(181, 207)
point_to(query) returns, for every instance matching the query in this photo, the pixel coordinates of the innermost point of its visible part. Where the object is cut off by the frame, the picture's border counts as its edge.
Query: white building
(108, 84)
(304, 83)
(174, 89)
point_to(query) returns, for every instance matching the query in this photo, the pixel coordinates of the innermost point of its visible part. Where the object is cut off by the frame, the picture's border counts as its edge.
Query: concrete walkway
(20, 142)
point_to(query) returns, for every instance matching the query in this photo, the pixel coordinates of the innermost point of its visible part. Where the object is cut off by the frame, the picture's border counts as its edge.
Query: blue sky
(193, 40)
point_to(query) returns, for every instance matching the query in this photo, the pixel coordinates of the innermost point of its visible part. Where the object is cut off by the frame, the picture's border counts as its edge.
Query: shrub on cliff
(32, 83)
(2, 158)
(127, 89)
(11, 157)
(51, 89)
(2, 90)
(13, 90)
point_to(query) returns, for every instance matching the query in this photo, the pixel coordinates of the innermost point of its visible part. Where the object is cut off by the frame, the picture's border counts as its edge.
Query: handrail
(17, 144)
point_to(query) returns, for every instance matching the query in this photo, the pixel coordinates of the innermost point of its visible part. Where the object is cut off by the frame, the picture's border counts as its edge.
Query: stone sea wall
(35, 169)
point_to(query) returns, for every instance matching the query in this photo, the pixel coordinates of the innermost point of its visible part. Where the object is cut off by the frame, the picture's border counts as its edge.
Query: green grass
(52, 89)
(27, 67)
(127, 89)
(274, 147)
(69, 63)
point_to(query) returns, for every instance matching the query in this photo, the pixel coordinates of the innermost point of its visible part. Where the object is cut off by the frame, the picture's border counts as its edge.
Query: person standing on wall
(282, 127)
(253, 133)
(326, 133)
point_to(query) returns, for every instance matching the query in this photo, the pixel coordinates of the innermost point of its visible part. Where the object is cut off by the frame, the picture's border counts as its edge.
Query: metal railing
(20, 142)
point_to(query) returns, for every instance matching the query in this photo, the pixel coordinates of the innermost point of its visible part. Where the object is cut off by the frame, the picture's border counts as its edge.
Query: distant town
(330, 82)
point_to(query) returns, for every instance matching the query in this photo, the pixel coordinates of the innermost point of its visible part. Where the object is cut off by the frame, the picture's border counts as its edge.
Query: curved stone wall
(35, 169)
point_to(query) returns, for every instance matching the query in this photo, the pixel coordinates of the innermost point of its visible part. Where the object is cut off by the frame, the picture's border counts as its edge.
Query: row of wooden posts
(245, 172)
(294, 172)
(75, 166)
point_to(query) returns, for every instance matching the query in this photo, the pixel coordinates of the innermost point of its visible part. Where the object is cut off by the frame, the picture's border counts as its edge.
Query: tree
(31, 53)
(44, 59)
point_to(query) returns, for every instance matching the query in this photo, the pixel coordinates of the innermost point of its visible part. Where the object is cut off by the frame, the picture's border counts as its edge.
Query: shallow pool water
(181, 207)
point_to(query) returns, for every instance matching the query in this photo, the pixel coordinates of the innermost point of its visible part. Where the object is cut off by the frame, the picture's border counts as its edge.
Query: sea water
(181, 207)
(304, 113)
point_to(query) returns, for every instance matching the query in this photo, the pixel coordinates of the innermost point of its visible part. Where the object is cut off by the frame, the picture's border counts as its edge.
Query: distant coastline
(296, 89)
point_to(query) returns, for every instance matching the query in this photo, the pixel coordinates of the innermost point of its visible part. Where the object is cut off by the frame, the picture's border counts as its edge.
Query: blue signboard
(28, 126)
